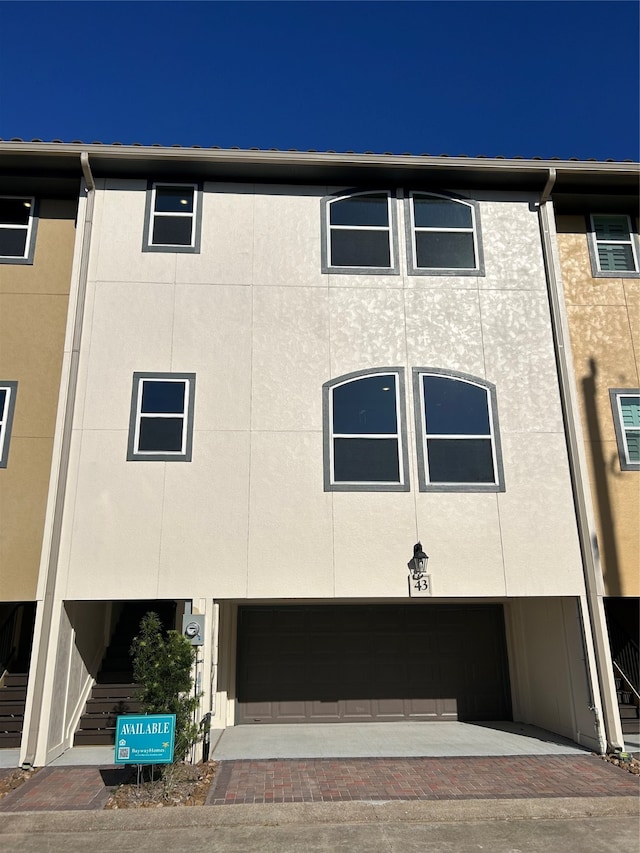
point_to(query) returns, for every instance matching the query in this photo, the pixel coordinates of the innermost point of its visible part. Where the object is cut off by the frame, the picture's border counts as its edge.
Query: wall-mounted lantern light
(419, 580)
(418, 563)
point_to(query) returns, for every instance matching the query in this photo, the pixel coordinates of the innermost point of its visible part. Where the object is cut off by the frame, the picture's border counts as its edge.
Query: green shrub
(162, 664)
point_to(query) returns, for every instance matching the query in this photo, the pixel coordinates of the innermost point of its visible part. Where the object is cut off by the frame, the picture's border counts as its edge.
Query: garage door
(348, 663)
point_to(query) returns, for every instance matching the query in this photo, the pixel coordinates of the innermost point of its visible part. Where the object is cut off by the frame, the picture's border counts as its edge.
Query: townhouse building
(37, 240)
(288, 378)
(599, 258)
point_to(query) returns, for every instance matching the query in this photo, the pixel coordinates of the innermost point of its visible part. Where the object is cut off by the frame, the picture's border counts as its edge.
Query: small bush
(162, 665)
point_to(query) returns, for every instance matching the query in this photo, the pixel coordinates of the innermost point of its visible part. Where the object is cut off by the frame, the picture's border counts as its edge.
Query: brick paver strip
(331, 780)
(63, 789)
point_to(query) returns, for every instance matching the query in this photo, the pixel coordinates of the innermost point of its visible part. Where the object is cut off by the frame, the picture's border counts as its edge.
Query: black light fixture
(418, 563)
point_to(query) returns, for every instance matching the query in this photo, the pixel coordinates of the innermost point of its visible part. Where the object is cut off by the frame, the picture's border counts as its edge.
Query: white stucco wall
(260, 325)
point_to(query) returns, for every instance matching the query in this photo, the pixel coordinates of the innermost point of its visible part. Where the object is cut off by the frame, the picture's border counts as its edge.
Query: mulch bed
(11, 779)
(180, 785)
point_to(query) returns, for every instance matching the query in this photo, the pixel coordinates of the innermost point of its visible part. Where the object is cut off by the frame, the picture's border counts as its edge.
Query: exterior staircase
(13, 696)
(115, 693)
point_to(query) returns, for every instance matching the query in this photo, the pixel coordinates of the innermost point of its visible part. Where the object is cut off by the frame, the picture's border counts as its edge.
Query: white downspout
(46, 630)
(612, 738)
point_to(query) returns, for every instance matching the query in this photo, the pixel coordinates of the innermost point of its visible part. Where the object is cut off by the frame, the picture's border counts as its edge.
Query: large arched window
(359, 234)
(457, 428)
(365, 445)
(442, 235)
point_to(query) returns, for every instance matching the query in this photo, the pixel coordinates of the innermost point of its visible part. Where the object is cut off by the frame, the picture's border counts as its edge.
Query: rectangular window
(161, 426)
(613, 246)
(625, 403)
(17, 229)
(173, 218)
(8, 391)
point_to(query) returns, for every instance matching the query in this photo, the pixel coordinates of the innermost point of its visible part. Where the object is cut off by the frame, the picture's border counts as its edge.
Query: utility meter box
(193, 628)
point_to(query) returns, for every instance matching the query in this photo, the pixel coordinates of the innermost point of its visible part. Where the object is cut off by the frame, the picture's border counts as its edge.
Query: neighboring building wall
(33, 314)
(604, 321)
(254, 317)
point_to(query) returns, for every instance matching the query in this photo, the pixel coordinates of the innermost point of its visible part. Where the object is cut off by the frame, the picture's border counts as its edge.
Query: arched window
(457, 428)
(358, 233)
(364, 432)
(444, 235)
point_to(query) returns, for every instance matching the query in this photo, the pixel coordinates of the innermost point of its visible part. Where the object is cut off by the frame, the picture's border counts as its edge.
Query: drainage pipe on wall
(580, 482)
(45, 629)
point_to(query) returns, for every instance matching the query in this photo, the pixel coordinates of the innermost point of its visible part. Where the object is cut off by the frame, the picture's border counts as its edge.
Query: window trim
(150, 214)
(326, 228)
(594, 256)
(31, 229)
(410, 235)
(626, 464)
(6, 418)
(401, 423)
(134, 455)
(421, 432)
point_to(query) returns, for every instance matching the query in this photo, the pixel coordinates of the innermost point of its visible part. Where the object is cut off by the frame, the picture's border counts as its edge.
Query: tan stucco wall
(33, 312)
(604, 322)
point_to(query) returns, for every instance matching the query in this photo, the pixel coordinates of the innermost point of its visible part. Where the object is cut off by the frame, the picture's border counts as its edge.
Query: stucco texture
(604, 324)
(33, 314)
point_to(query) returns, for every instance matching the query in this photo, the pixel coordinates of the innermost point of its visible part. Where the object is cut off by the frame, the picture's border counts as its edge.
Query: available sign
(145, 738)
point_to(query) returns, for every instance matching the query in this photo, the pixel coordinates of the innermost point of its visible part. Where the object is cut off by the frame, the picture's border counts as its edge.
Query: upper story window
(613, 247)
(625, 403)
(161, 425)
(365, 447)
(8, 391)
(442, 234)
(359, 234)
(17, 229)
(457, 426)
(173, 218)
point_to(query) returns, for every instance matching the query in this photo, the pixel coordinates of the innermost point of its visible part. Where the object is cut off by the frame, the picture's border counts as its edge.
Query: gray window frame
(614, 394)
(421, 433)
(401, 421)
(594, 257)
(410, 231)
(6, 419)
(325, 234)
(134, 455)
(149, 215)
(31, 229)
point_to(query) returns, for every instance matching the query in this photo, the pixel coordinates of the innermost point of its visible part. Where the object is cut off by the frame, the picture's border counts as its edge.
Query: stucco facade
(604, 321)
(252, 523)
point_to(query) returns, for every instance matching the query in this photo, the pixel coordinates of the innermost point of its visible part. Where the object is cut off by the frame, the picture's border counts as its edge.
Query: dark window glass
(3, 399)
(365, 406)
(455, 408)
(163, 397)
(15, 211)
(360, 210)
(174, 199)
(172, 231)
(366, 460)
(616, 258)
(444, 250)
(611, 227)
(360, 249)
(13, 243)
(440, 213)
(160, 434)
(465, 460)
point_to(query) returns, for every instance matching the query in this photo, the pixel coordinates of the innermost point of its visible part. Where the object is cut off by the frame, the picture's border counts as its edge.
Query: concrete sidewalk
(538, 826)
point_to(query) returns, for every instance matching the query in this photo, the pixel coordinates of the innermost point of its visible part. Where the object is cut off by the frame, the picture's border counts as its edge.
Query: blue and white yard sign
(145, 738)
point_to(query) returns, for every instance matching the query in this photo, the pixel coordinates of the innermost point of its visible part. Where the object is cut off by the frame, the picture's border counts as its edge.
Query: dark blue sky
(552, 78)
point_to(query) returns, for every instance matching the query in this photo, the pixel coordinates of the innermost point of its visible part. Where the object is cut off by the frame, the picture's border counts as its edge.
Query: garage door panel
(346, 662)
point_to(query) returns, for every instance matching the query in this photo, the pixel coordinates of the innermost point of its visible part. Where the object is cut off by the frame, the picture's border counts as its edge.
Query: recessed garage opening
(360, 663)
